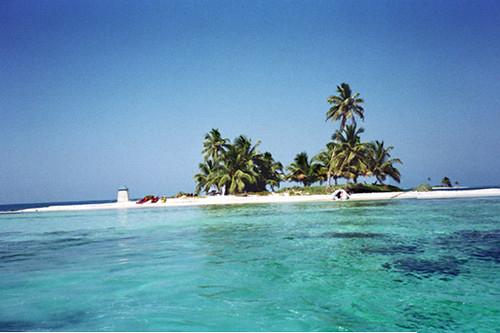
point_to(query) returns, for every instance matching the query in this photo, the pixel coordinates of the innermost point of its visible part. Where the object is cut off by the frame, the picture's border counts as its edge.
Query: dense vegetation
(239, 167)
(236, 167)
(350, 187)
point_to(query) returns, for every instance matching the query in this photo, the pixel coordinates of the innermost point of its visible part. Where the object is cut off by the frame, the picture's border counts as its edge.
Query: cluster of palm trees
(346, 156)
(236, 167)
(239, 167)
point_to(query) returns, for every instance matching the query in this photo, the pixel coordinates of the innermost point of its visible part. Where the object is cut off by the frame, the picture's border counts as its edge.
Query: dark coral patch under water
(351, 235)
(470, 237)
(335, 234)
(58, 322)
(482, 245)
(393, 250)
(489, 254)
(443, 266)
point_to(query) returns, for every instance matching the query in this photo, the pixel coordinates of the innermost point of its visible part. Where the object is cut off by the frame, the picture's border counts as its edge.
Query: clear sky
(99, 94)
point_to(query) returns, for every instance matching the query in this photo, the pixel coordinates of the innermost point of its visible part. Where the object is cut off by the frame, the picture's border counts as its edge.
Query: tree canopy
(345, 106)
(239, 166)
(236, 167)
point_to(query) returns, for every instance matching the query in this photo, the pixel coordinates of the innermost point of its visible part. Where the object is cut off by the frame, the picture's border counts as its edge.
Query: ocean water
(426, 266)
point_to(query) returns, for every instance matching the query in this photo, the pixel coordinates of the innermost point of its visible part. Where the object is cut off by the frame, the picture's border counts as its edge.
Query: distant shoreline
(272, 198)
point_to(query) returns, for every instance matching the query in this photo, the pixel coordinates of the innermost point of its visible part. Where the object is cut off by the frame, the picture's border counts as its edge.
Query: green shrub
(423, 188)
(352, 188)
(370, 188)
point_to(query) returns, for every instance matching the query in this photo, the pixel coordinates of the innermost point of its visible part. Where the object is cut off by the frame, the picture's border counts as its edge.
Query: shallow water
(429, 266)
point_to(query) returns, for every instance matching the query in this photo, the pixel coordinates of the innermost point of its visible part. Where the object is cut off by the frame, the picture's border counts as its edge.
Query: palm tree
(446, 182)
(381, 165)
(322, 160)
(270, 172)
(303, 170)
(204, 179)
(345, 106)
(237, 169)
(214, 145)
(325, 161)
(350, 156)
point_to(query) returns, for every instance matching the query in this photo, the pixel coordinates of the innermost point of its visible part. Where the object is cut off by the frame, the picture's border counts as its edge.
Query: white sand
(273, 198)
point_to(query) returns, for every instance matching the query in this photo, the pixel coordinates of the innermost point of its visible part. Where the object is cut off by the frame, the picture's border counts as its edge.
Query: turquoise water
(429, 266)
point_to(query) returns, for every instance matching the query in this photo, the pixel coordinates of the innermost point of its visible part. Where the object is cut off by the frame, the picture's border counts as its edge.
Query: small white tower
(122, 195)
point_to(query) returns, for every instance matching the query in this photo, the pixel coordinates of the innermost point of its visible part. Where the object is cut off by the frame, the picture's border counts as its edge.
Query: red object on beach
(145, 199)
(155, 199)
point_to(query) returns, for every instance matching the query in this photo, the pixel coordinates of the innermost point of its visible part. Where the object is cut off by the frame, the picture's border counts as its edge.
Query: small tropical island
(238, 172)
(238, 166)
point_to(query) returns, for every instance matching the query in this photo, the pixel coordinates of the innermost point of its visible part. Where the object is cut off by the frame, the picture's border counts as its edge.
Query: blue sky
(99, 94)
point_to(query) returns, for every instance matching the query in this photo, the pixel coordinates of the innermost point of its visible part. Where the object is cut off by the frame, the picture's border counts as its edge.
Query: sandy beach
(273, 198)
